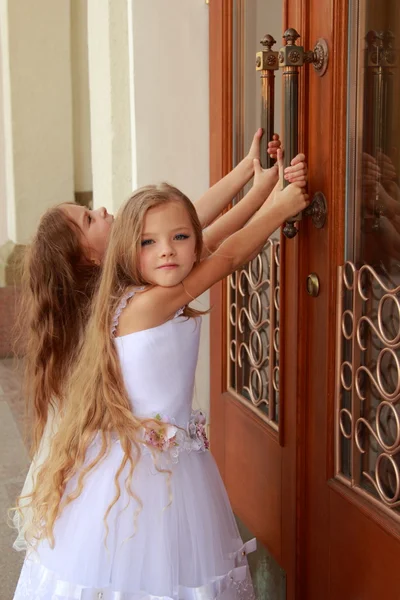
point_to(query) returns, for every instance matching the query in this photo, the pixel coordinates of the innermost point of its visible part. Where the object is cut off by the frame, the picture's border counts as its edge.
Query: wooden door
(305, 422)
(254, 432)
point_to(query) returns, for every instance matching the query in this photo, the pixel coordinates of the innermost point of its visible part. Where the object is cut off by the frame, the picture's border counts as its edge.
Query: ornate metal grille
(253, 334)
(368, 385)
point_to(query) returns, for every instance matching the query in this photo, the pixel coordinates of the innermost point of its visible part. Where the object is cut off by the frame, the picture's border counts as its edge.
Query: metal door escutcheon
(313, 285)
(317, 210)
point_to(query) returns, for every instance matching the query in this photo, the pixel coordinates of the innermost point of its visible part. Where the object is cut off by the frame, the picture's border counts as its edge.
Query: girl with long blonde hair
(61, 270)
(129, 504)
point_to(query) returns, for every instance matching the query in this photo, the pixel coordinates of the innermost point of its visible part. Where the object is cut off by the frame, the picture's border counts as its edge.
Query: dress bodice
(158, 367)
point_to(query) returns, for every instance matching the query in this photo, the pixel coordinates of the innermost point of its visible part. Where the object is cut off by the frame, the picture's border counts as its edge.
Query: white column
(109, 101)
(35, 38)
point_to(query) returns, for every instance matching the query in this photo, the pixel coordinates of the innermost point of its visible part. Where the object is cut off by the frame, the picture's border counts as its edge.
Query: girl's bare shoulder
(143, 311)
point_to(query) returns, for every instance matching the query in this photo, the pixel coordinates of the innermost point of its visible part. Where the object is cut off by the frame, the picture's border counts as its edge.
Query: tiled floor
(13, 467)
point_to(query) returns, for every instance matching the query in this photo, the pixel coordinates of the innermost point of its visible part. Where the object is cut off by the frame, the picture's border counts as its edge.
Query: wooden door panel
(253, 474)
(364, 557)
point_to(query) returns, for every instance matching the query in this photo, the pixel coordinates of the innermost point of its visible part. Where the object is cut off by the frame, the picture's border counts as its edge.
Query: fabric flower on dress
(197, 429)
(162, 437)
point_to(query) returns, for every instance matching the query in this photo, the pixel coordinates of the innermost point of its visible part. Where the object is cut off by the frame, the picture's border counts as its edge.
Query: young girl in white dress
(61, 271)
(129, 504)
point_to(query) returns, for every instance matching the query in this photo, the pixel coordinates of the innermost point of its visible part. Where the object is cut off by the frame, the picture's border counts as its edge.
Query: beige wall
(35, 40)
(171, 92)
(3, 191)
(80, 96)
(170, 132)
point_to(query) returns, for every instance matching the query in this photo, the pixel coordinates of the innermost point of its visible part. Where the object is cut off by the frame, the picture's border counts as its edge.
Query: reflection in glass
(369, 408)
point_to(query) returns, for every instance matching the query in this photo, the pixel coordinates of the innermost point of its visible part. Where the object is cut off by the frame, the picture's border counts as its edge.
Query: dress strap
(122, 304)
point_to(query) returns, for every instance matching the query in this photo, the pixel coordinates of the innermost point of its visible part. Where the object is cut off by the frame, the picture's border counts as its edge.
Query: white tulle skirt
(22, 518)
(178, 542)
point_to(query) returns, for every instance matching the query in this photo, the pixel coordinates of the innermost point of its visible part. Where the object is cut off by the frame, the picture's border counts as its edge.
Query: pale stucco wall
(3, 192)
(80, 96)
(169, 80)
(35, 39)
(171, 92)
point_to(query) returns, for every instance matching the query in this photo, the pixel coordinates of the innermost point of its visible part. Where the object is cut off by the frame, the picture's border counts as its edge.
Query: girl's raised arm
(220, 195)
(247, 208)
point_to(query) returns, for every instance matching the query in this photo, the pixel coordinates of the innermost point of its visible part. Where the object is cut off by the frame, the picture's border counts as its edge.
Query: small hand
(370, 169)
(264, 179)
(273, 145)
(297, 172)
(291, 200)
(254, 151)
(292, 197)
(379, 167)
(386, 166)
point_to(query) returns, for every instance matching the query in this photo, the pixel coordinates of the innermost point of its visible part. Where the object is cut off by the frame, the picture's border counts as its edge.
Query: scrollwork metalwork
(368, 385)
(253, 313)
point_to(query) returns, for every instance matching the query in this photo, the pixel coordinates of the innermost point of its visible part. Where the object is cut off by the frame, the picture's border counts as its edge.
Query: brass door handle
(267, 63)
(291, 58)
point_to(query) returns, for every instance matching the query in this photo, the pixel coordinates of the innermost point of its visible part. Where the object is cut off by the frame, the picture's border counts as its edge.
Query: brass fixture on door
(312, 285)
(291, 58)
(267, 62)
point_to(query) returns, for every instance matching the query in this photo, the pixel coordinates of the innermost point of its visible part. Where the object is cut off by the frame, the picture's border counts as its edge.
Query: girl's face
(95, 226)
(168, 244)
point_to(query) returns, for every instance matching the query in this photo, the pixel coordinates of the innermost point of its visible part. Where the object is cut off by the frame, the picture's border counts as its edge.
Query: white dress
(181, 541)
(22, 518)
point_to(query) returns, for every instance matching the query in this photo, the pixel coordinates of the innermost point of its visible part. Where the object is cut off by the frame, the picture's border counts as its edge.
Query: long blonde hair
(58, 283)
(98, 404)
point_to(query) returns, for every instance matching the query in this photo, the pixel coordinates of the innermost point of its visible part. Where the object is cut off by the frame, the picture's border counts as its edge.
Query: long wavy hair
(58, 282)
(98, 405)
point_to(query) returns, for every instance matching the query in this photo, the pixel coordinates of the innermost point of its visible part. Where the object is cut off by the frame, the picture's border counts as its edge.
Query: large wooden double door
(305, 363)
